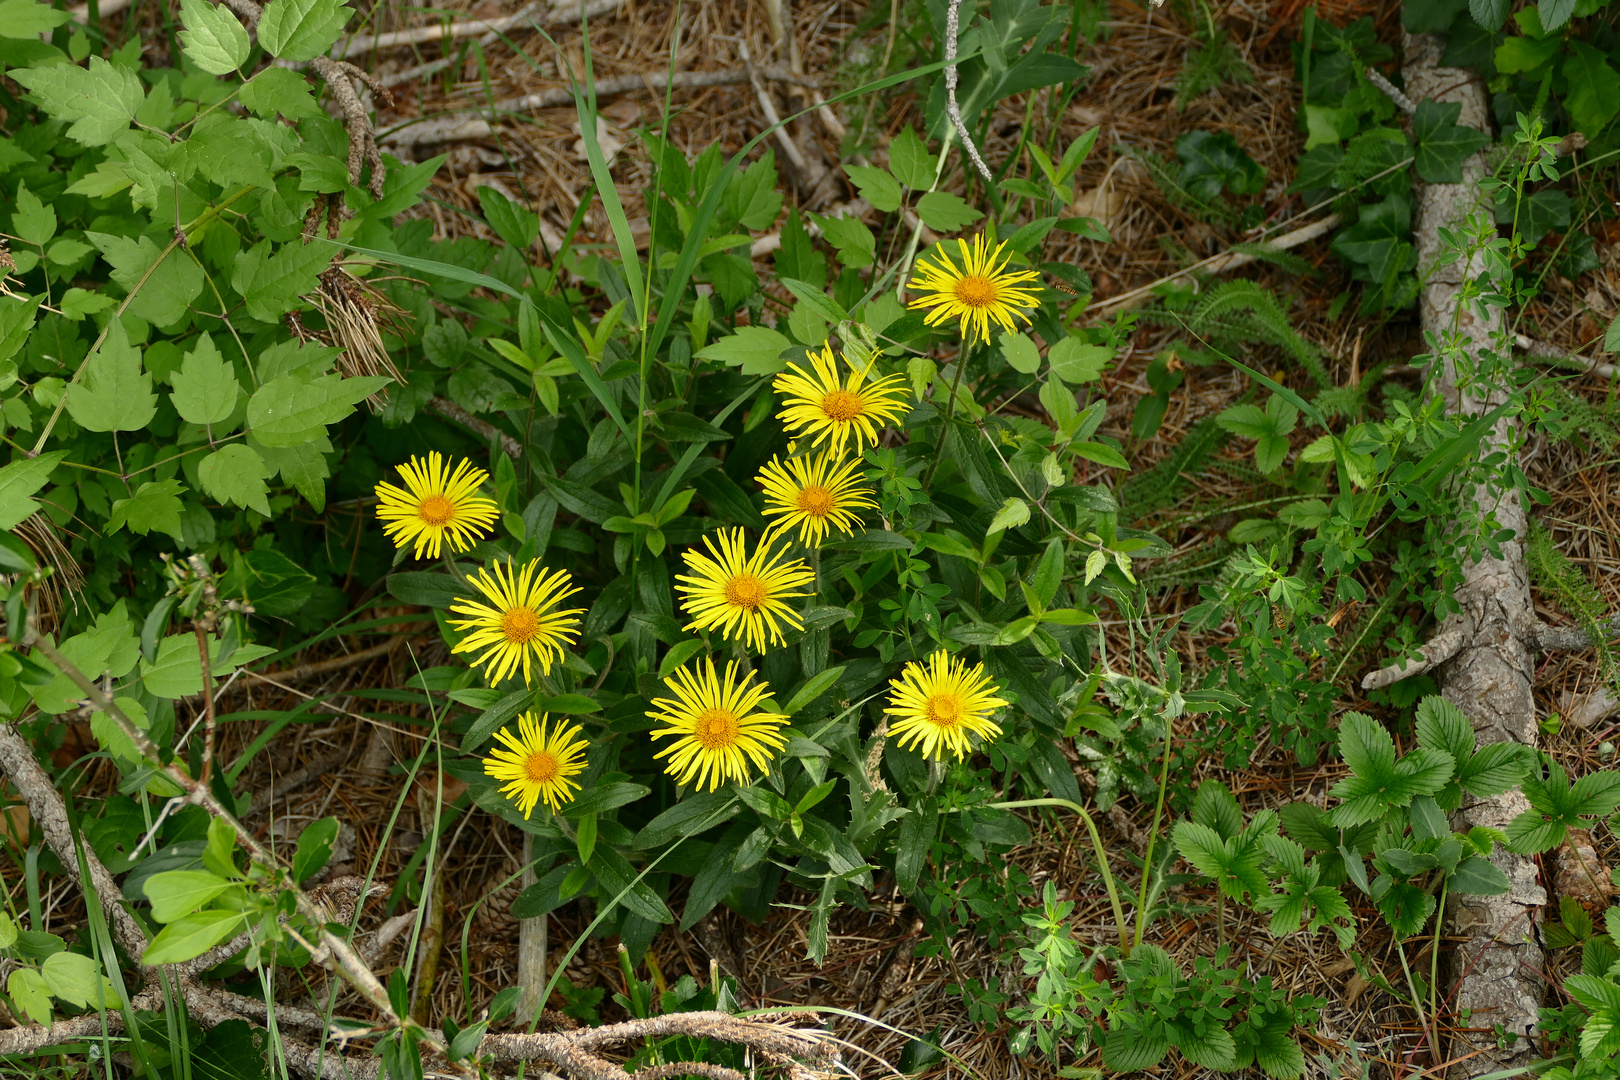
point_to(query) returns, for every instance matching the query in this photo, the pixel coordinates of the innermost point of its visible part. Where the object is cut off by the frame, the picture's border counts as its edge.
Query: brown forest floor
(341, 766)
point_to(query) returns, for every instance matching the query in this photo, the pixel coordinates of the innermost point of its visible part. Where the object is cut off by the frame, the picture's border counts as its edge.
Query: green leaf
(818, 301)
(944, 212)
(619, 882)
(1477, 876)
(1596, 794)
(301, 29)
(162, 292)
(494, 717)
(16, 322)
(1021, 353)
(191, 936)
(20, 480)
(279, 90)
(314, 847)
(155, 505)
(236, 474)
(213, 38)
(75, 978)
(1213, 162)
(916, 837)
(813, 688)
(205, 387)
(1555, 13)
(29, 991)
(1442, 726)
(876, 187)
(23, 19)
(115, 395)
(1013, 513)
(910, 160)
(1049, 572)
(755, 349)
(1128, 1050)
(176, 670)
(174, 893)
(854, 242)
(98, 101)
(689, 817)
(31, 220)
(272, 284)
(1101, 453)
(290, 408)
(1442, 144)
(303, 466)
(1074, 361)
(1594, 88)
(516, 224)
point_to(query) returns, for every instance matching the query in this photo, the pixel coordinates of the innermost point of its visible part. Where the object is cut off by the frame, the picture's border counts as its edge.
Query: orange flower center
(745, 591)
(716, 729)
(976, 291)
(944, 710)
(519, 625)
(541, 767)
(436, 510)
(816, 501)
(841, 405)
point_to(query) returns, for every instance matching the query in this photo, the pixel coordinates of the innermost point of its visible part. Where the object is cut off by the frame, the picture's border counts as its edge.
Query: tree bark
(1496, 971)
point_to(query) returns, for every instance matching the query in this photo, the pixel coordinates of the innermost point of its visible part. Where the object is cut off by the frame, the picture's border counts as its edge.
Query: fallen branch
(482, 428)
(1542, 353)
(561, 13)
(471, 124)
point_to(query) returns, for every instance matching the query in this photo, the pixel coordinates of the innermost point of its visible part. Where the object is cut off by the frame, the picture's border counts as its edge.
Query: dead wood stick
(1541, 352)
(471, 123)
(336, 663)
(482, 428)
(560, 14)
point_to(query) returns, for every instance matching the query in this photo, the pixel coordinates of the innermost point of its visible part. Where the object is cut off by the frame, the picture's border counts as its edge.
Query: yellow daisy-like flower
(981, 290)
(717, 735)
(435, 506)
(836, 409)
(520, 624)
(939, 703)
(536, 764)
(814, 494)
(742, 594)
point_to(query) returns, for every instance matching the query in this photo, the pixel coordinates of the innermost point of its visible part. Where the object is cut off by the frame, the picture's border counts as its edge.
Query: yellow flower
(742, 594)
(939, 703)
(536, 764)
(520, 624)
(435, 506)
(814, 494)
(836, 409)
(716, 734)
(981, 290)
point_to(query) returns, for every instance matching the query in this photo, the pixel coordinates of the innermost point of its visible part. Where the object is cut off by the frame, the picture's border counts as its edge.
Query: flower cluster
(719, 733)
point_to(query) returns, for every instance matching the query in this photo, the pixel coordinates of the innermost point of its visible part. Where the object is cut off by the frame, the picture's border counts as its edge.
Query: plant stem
(950, 411)
(208, 705)
(1102, 858)
(1153, 832)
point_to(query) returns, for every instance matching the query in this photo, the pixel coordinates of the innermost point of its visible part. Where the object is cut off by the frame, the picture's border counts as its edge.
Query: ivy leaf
(272, 284)
(213, 39)
(161, 295)
(205, 387)
(1443, 144)
(876, 186)
(1379, 239)
(115, 394)
(100, 100)
(1212, 162)
(236, 474)
(156, 506)
(910, 161)
(944, 212)
(21, 479)
(293, 408)
(757, 350)
(301, 29)
(23, 19)
(1594, 88)
(28, 989)
(278, 90)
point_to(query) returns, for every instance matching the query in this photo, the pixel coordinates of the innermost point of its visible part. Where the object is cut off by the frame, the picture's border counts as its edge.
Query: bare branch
(482, 428)
(1442, 647)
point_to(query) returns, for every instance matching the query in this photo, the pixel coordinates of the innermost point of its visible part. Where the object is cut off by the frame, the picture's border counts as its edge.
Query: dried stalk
(561, 13)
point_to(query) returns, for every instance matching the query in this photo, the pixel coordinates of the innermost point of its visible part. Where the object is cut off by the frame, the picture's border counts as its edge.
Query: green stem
(950, 411)
(1153, 833)
(1102, 859)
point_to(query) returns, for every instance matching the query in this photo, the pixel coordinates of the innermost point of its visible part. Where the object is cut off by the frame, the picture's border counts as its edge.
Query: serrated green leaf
(1075, 361)
(1494, 769)
(213, 38)
(205, 387)
(854, 242)
(154, 506)
(21, 479)
(272, 284)
(944, 212)
(162, 293)
(114, 395)
(99, 101)
(1477, 876)
(303, 466)
(236, 474)
(757, 350)
(293, 408)
(278, 90)
(876, 186)
(910, 160)
(23, 19)
(1442, 726)
(1013, 513)
(301, 29)
(31, 220)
